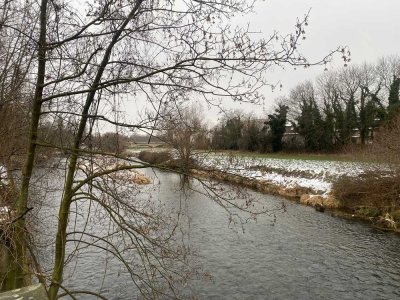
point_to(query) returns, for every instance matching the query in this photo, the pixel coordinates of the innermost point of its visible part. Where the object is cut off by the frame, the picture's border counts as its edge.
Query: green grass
(349, 157)
(297, 156)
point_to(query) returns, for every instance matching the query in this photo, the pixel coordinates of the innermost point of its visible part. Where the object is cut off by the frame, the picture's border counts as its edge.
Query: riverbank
(300, 244)
(309, 182)
(314, 182)
(303, 196)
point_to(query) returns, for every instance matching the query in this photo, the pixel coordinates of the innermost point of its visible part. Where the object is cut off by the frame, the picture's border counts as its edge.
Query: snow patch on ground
(313, 174)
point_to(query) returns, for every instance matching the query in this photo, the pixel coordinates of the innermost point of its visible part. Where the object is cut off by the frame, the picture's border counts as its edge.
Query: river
(294, 254)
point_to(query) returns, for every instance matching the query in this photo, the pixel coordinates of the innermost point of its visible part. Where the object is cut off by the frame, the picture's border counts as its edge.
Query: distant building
(372, 131)
(290, 129)
(291, 138)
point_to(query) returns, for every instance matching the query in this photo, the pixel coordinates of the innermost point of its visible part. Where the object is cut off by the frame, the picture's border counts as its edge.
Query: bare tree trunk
(22, 201)
(64, 210)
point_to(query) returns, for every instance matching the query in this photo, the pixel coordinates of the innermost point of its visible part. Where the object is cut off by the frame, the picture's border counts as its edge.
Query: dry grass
(7, 195)
(372, 189)
(314, 200)
(386, 144)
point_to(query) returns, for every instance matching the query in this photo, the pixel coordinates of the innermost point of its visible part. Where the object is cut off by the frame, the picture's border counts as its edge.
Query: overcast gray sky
(368, 27)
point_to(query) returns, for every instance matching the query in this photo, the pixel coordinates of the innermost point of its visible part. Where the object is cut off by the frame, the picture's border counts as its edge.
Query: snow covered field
(314, 174)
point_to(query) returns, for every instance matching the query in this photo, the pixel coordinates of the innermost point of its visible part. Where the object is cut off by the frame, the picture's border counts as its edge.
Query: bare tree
(388, 68)
(15, 64)
(185, 130)
(388, 72)
(157, 51)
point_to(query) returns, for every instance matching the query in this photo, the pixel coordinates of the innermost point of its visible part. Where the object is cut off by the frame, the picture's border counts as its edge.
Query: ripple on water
(305, 255)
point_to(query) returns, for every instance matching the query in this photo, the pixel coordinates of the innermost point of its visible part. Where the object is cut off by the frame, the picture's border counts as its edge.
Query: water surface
(296, 254)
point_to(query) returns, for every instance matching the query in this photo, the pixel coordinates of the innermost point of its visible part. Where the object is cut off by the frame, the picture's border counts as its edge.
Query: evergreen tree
(277, 125)
(250, 135)
(350, 121)
(328, 136)
(394, 101)
(311, 126)
(232, 133)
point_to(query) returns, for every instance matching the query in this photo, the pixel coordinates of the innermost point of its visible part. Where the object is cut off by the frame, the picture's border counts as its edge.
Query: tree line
(337, 109)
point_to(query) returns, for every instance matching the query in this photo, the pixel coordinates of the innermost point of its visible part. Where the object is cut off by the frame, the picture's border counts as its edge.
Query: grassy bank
(351, 157)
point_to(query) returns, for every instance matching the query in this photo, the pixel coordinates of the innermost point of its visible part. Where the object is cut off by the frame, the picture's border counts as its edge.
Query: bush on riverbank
(166, 159)
(370, 194)
(155, 158)
(386, 145)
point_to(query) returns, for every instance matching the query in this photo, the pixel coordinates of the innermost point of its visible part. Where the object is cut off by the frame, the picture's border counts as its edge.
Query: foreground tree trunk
(64, 210)
(21, 272)
(159, 50)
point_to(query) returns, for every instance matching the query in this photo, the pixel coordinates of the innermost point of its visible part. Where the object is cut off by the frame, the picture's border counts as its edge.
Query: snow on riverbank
(313, 174)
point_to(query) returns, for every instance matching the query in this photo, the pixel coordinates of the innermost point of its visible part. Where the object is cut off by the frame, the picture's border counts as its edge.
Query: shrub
(369, 212)
(111, 142)
(155, 158)
(386, 145)
(379, 190)
(396, 216)
(8, 195)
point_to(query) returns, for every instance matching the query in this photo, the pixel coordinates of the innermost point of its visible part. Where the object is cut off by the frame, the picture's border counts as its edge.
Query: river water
(294, 254)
